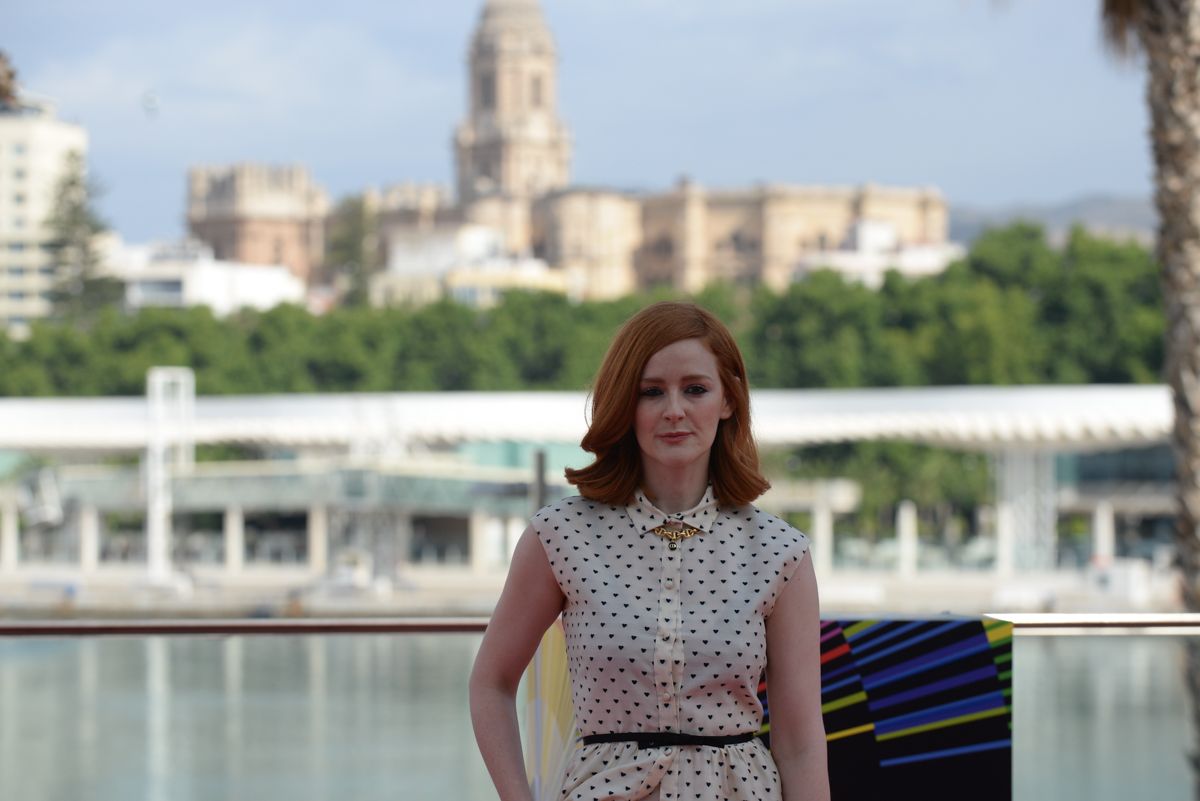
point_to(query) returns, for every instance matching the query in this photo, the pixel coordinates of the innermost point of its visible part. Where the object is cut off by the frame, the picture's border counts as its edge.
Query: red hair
(616, 473)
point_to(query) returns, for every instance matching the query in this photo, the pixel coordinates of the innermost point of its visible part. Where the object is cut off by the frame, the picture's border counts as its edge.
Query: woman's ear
(727, 407)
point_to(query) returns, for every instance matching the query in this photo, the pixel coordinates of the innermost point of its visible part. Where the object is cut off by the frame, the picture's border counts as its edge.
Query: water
(288, 718)
(385, 717)
(1099, 718)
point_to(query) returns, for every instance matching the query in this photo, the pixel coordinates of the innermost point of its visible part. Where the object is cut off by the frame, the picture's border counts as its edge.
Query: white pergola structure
(1022, 426)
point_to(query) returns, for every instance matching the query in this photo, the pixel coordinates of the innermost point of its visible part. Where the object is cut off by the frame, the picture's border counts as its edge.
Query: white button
(669, 750)
(665, 698)
(666, 635)
(670, 583)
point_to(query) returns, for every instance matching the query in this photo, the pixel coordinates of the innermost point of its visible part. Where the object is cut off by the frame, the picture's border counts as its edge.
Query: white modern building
(34, 144)
(465, 262)
(872, 248)
(181, 274)
(433, 488)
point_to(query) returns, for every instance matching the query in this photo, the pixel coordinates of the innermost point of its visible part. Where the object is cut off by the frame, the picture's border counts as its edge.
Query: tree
(351, 254)
(818, 333)
(1101, 313)
(81, 292)
(1167, 32)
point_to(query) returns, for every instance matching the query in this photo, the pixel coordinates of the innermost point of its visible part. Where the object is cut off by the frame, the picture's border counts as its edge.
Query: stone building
(692, 236)
(512, 144)
(259, 214)
(513, 175)
(592, 236)
(462, 261)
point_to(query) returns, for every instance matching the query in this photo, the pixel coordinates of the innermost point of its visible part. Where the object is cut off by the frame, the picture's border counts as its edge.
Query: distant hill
(1106, 215)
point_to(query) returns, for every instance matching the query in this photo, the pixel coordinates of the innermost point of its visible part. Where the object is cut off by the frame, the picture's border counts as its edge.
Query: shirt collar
(646, 515)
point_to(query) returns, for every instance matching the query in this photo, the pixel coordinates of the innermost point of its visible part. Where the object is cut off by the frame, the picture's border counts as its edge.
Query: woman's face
(680, 404)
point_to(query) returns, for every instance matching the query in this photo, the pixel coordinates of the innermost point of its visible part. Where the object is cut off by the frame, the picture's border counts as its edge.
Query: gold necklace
(674, 531)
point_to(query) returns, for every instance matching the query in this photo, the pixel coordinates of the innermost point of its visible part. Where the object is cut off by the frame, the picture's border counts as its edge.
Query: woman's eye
(697, 389)
(650, 392)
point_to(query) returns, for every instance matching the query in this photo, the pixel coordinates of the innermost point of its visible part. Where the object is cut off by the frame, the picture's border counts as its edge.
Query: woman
(674, 592)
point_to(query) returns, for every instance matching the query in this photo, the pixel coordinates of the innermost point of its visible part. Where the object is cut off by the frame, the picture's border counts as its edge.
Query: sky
(995, 102)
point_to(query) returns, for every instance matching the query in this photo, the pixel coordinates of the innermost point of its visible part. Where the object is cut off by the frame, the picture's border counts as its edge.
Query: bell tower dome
(512, 143)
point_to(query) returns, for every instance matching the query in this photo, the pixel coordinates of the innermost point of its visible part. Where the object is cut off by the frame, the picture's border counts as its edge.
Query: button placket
(667, 643)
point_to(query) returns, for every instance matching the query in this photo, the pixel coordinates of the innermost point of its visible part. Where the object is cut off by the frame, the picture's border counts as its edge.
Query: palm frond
(8, 81)
(1120, 19)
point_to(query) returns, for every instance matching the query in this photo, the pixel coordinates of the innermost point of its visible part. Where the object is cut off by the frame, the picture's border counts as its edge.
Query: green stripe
(849, 700)
(857, 627)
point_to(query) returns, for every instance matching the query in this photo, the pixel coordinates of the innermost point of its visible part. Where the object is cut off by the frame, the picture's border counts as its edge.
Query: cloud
(266, 80)
(330, 96)
(366, 92)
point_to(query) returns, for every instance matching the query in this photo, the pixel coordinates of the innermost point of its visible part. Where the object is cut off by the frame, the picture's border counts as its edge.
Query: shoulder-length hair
(616, 473)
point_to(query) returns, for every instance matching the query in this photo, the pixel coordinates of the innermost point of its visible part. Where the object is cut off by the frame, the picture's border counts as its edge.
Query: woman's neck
(674, 492)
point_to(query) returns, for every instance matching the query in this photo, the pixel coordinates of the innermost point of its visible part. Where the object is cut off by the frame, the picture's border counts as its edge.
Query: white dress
(667, 640)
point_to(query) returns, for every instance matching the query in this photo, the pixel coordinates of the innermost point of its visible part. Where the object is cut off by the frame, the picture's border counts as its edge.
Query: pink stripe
(831, 634)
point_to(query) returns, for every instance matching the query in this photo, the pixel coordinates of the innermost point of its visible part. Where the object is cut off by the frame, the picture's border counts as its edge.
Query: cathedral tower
(512, 143)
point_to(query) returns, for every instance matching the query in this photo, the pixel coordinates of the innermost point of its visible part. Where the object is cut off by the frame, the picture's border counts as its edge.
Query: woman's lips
(674, 436)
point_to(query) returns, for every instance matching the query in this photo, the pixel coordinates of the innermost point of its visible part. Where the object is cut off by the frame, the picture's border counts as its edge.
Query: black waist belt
(661, 739)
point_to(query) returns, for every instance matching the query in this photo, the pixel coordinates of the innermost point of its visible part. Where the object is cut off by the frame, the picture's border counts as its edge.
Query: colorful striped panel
(917, 708)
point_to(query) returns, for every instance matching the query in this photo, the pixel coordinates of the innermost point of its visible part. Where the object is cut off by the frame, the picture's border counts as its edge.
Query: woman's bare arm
(530, 602)
(794, 689)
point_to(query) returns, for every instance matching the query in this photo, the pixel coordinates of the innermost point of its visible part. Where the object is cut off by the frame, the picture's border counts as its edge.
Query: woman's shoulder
(573, 507)
(765, 527)
(571, 517)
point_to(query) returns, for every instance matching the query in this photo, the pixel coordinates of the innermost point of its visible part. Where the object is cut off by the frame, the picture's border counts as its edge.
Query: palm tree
(1167, 33)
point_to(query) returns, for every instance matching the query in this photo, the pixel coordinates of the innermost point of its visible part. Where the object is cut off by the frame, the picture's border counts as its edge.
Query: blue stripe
(941, 656)
(842, 671)
(979, 703)
(837, 685)
(949, 752)
(920, 638)
(891, 635)
(883, 702)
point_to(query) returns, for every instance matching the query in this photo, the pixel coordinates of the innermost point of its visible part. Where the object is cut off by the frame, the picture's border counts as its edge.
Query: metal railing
(1024, 624)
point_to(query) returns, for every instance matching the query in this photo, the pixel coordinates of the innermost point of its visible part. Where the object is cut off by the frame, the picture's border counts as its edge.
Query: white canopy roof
(984, 417)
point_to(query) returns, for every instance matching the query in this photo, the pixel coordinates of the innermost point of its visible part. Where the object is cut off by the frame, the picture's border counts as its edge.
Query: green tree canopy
(352, 253)
(1016, 310)
(81, 291)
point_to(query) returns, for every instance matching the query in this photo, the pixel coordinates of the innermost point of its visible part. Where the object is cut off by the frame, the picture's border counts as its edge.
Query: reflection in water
(89, 693)
(1099, 718)
(1192, 680)
(385, 717)
(8, 720)
(287, 718)
(318, 709)
(232, 660)
(158, 730)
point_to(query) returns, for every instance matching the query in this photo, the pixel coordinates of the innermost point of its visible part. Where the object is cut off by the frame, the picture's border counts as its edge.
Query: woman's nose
(674, 407)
